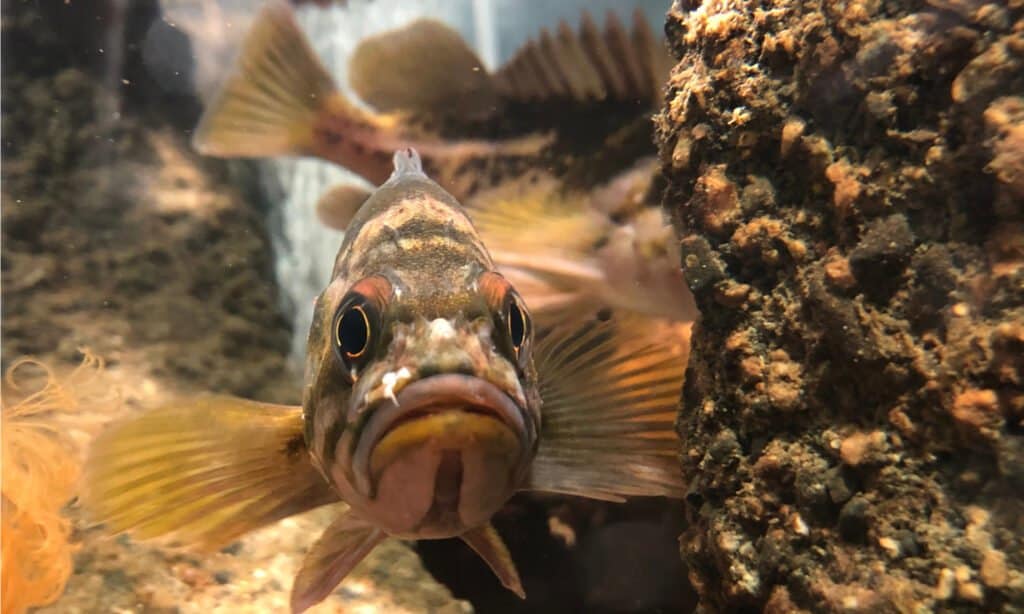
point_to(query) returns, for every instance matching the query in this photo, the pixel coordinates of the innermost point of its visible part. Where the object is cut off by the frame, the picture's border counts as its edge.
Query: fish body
(280, 100)
(568, 251)
(449, 344)
(428, 402)
(562, 251)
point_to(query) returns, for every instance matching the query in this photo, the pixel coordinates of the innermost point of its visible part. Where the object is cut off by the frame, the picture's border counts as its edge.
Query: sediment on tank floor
(846, 179)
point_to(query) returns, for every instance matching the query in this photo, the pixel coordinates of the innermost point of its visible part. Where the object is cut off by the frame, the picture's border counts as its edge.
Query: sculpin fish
(430, 399)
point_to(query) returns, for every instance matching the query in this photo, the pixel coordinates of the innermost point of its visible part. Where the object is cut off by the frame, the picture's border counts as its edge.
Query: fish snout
(441, 456)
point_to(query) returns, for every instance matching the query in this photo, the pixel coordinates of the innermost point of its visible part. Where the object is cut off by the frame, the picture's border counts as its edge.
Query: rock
(862, 447)
(853, 520)
(993, 572)
(861, 372)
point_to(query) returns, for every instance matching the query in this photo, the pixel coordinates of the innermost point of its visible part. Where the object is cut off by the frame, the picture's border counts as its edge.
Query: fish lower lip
(427, 396)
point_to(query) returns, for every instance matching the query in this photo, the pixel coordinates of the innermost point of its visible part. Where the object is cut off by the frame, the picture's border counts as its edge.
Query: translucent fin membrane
(202, 472)
(610, 397)
(340, 548)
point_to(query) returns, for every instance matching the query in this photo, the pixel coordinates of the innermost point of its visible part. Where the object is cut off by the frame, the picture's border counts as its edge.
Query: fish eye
(513, 330)
(516, 325)
(354, 327)
(353, 332)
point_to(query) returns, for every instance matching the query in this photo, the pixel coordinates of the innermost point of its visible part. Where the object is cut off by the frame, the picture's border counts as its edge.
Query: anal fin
(486, 542)
(340, 548)
(201, 472)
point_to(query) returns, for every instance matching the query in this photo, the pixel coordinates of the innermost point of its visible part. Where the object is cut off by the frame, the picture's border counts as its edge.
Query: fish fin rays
(339, 549)
(271, 103)
(388, 72)
(202, 472)
(486, 542)
(610, 396)
(588, 64)
(542, 238)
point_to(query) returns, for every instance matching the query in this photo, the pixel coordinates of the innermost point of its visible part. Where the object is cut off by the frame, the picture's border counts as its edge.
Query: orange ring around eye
(366, 326)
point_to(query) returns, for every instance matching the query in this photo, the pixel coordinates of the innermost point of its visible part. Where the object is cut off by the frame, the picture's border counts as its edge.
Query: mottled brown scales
(418, 232)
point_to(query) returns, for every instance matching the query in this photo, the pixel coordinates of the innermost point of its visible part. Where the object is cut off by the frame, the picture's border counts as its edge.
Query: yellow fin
(486, 542)
(339, 205)
(537, 228)
(202, 472)
(271, 103)
(610, 395)
(340, 548)
(543, 241)
(425, 66)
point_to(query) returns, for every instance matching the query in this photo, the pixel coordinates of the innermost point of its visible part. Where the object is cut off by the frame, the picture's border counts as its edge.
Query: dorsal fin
(590, 64)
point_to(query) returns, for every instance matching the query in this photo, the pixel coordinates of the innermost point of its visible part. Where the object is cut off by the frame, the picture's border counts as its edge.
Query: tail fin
(271, 103)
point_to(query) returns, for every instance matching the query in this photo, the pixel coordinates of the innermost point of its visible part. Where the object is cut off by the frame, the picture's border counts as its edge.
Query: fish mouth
(431, 397)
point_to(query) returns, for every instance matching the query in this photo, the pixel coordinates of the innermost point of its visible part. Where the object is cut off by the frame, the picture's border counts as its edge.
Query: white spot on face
(441, 330)
(392, 379)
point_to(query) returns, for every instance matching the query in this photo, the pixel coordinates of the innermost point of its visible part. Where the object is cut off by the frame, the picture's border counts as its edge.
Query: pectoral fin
(486, 542)
(610, 395)
(340, 548)
(202, 472)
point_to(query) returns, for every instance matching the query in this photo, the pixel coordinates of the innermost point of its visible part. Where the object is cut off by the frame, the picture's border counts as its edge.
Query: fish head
(421, 402)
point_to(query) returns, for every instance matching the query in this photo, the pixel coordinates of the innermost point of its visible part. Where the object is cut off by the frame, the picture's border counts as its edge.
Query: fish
(588, 65)
(567, 250)
(279, 100)
(430, 398)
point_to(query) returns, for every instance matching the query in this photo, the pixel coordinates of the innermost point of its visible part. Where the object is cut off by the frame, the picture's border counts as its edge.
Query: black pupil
(516, 325)
(353, 332)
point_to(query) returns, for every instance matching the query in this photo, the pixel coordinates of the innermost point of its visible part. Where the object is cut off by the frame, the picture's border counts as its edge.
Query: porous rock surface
(846, 178)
